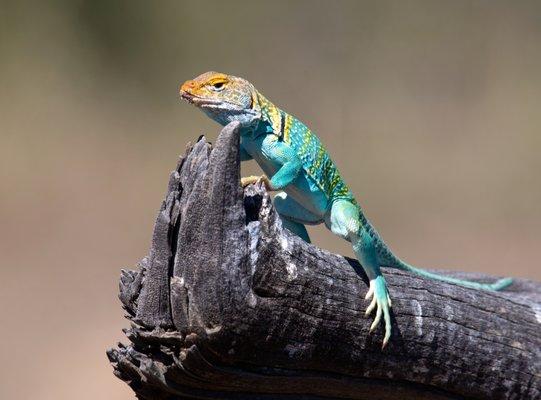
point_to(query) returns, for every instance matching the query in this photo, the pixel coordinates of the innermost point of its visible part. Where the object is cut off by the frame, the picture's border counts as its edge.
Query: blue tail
(498, 285)
(386, 258)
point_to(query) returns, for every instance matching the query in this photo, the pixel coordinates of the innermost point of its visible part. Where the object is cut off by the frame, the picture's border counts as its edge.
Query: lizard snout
(187, 87)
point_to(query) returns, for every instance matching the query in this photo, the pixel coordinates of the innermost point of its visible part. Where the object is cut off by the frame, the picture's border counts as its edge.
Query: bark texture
(228, 305)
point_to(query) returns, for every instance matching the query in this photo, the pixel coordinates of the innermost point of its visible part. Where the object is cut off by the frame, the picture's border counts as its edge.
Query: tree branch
(228, 305)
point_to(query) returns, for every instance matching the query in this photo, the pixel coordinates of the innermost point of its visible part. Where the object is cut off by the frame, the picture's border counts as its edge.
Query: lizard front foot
(248, 180)
(380, 299)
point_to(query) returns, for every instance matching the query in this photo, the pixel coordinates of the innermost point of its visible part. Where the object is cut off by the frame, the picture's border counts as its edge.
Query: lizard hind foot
(381, 302)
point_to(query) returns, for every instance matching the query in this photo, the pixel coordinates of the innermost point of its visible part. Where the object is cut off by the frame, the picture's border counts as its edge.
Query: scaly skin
(311, 190)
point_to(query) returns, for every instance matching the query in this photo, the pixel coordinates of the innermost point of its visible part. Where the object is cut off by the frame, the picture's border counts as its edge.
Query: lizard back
(315, 160)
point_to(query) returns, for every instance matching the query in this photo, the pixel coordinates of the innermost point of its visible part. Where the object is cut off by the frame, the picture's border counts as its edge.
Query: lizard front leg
(248, 180)
(294, 216)
(282, 155)
(244, 155)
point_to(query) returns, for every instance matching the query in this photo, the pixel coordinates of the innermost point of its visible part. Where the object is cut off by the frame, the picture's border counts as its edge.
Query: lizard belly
(306, 193)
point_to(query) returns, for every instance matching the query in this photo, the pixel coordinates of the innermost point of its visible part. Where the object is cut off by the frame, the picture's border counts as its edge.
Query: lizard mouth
(210, 104)
(199, 101)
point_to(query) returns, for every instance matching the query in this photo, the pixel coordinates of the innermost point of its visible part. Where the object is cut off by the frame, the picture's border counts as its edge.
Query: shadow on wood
(227, 305)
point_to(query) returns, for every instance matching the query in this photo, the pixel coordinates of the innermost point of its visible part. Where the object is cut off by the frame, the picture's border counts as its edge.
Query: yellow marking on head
(199, 85)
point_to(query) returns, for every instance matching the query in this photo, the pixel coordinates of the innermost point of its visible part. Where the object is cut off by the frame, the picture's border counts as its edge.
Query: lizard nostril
(186, 86)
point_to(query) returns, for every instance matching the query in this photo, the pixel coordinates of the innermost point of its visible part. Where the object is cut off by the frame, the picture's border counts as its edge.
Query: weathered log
(228, 305)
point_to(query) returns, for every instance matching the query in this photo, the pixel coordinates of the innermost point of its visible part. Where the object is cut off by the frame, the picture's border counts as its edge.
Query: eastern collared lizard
(311, 190)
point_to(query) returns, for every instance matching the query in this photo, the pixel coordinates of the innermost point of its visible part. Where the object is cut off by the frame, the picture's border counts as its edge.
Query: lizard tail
(498, 285)
(386, 258)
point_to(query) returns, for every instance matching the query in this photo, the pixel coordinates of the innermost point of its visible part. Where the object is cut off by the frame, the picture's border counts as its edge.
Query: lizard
(310, 188)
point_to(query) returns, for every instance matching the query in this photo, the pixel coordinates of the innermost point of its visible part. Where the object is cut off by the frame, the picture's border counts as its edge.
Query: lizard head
(224, 98)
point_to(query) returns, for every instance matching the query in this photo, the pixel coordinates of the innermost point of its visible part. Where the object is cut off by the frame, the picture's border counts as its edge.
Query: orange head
(225, 98)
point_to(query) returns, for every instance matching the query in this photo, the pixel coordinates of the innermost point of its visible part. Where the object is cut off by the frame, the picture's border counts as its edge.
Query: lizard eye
(218, 86)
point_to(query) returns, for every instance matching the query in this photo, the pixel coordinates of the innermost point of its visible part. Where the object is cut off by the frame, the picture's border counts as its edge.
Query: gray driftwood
(227, 305)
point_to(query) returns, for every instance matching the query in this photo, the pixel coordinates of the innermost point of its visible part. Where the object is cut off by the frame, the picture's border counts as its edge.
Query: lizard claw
(370, 292)
(371, 307)
(381, 301)
(266, 182)
(248, 180)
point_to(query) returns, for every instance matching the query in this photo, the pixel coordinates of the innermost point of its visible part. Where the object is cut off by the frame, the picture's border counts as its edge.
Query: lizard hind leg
(294, 216)
(296, 228)
(344, 221)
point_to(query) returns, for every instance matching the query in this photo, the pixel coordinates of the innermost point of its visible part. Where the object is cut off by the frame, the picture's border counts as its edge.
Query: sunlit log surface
(228, 305)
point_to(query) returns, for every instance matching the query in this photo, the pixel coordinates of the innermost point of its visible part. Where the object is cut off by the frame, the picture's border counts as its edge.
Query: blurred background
(431, 109)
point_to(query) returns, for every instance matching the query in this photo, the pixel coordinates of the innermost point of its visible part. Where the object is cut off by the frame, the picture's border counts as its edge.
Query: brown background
(432, 110)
